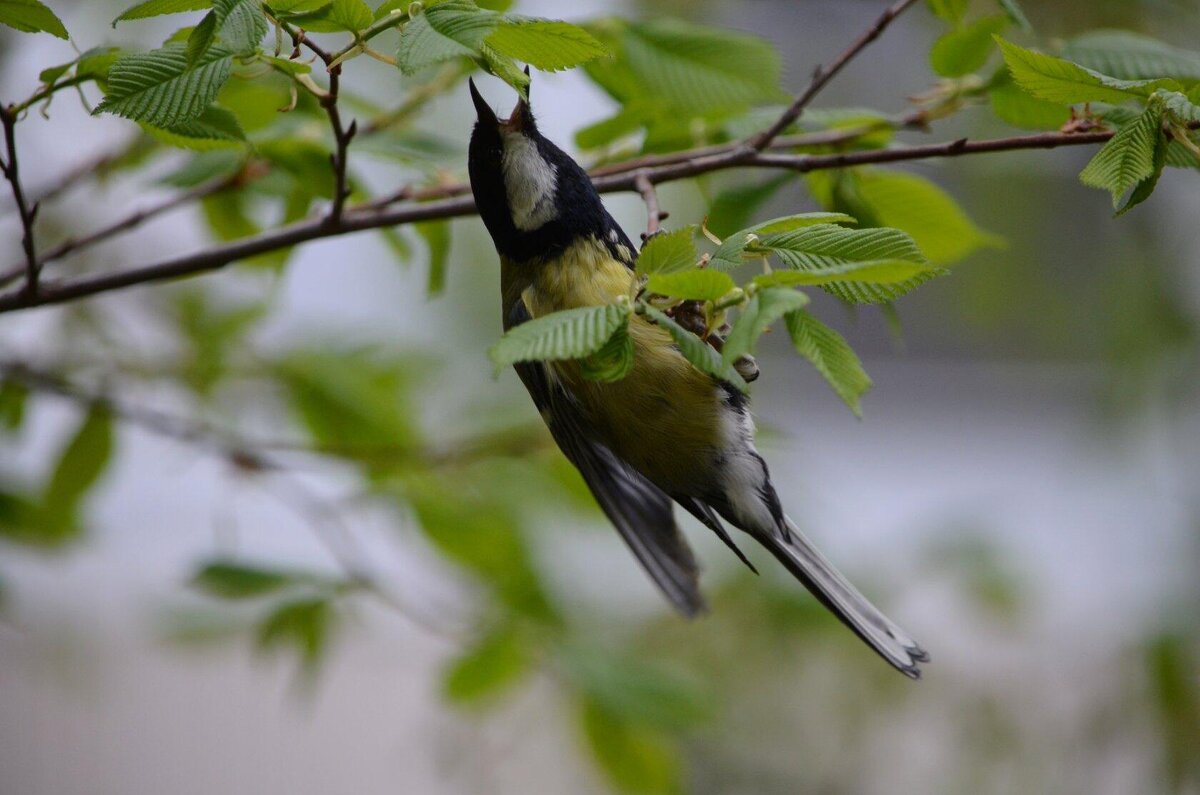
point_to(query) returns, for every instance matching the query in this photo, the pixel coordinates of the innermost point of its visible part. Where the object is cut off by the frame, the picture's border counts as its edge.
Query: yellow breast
(663, 418)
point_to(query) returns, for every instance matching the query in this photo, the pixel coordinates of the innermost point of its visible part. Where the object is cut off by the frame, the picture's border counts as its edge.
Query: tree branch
(654, 215)
(10, 168)
(824, 74)
(459, 204)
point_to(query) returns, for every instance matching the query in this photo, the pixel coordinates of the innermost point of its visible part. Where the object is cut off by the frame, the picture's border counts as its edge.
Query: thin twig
(11, 170)
(654, 215)
(824, 74)
(373, 217)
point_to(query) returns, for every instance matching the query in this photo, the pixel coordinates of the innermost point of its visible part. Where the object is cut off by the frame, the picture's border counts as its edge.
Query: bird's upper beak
(521, 119)
(483, 111)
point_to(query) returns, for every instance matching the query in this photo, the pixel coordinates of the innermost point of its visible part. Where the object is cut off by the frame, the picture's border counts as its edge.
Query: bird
(664, 434)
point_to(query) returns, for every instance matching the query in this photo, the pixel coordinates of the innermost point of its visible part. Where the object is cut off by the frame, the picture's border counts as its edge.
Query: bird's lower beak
(483, 110)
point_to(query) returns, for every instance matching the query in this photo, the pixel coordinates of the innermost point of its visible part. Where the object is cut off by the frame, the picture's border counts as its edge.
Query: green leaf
(732, 251)
(201, 37)
(612, 362)
(635, 689)
(669, 252)
(831, 355)
(767, 306)
(80, 465)
(14, 396)
(436, 235)
(545, 44)
(448, 30)
(302, 626)
(159, 89)
(697, 351)
(482, 536)
(951, 11)
(966, 49)
(1013, 9)
(570, 334)
(1056, 80)
(820, 247)
(489, 669)
(635, 759)
(240, 24)
(1129, 157)
(1017, 107)
(216, 128)
(693, 285)
(916, 205)
(350, 399)
(1145, 188)
(156, 8)
(31, 16)
(733, 207)
(231, 580)
(332, 17)
(890, 271)
(700, 69)
(1132, 56)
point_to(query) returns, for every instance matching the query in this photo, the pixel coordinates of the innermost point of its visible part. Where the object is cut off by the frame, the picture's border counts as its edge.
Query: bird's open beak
(483, 111)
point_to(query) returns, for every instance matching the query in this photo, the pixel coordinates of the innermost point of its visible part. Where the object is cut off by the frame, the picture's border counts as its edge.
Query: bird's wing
(640, 511)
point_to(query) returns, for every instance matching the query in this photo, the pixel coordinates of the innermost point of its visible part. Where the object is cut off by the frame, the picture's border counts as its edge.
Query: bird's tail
(834, 591)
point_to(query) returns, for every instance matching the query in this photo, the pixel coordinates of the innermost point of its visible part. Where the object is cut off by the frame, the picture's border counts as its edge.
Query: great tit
(666, 432)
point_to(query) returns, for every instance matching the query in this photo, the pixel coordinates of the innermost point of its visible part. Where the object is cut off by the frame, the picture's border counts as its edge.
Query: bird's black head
(534, 199)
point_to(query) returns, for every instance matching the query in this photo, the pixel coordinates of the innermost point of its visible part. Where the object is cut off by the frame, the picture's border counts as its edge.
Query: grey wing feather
(639, 510)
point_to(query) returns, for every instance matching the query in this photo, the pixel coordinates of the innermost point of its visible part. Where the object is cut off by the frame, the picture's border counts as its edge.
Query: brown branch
(10, 168)
(824, 74)
(654, 215)
(457, 205)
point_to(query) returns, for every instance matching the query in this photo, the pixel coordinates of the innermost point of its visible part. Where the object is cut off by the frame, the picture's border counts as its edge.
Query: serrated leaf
(669, 252)
(569, 334)
(966, 49)
(913, 204)
(157, 8)
(545, 44)
(1014, 105)
(449, 30)
(701, 69)
(31, 16)
(1128, 158)
(1132, 56)
(889, 271)
(697, 351)
(159, 89)
(240, 24)
(951, 11)
(612, 362)
(732, 251)
(831, 355)
(821, 247)
(1056, 80)
(490, 668)
(767, 306)
(692, 285)
(216, 128)
(333, 17)
(232, 580)
(1144, 189)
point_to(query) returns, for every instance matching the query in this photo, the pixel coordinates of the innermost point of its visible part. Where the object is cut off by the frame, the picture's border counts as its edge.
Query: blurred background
(1021, 494)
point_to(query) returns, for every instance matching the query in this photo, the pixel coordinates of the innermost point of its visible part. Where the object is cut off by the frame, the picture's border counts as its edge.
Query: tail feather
(834, 591)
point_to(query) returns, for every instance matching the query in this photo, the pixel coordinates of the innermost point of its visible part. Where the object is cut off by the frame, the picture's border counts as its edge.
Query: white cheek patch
(529, 183)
